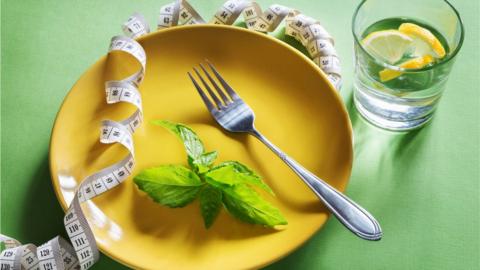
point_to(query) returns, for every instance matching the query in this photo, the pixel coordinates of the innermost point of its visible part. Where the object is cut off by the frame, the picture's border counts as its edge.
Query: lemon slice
(389, 45)
(424, 41)
(419, 62)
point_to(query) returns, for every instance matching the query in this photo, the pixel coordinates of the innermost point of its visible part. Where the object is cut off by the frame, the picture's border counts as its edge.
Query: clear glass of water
(403, 95)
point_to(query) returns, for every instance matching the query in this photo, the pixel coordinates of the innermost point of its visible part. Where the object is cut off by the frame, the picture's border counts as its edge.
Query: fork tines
(223, 94)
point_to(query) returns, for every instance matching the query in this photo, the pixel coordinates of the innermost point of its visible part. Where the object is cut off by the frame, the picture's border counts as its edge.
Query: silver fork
(234, 115)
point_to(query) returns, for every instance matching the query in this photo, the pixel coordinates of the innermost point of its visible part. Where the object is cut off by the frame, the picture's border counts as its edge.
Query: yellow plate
(295, 107)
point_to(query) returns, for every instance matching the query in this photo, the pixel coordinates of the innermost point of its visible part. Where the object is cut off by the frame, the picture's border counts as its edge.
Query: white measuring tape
(82, 251)
(318, 42)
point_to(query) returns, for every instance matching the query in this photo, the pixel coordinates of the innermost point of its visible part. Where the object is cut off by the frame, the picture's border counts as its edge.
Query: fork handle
(350, 214)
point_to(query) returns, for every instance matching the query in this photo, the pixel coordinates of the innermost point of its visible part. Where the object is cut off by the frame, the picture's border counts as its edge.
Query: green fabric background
(422, 186)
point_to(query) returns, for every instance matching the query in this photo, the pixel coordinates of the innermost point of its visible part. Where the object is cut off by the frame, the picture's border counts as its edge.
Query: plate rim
(331, 88)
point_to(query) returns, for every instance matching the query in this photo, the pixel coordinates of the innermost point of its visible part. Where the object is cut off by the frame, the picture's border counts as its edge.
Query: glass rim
(445, 60)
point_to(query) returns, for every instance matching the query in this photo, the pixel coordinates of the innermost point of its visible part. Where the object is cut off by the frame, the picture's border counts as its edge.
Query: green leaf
(169, 185)
(245, 204)
(210, 204)
(233, 172)
(204, 162)
(193, 144)
(172, 127)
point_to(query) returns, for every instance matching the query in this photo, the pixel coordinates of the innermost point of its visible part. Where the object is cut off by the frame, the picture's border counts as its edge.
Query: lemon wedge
(389, 45)
(419, 62)
(424, 41)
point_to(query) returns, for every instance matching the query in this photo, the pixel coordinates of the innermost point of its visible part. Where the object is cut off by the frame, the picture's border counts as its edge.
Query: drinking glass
(409, 100)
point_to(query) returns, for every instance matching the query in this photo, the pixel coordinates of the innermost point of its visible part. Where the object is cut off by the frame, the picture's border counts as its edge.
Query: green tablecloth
(422, 186)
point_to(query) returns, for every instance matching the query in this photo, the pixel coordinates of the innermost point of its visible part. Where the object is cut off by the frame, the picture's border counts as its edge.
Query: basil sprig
(229, 183)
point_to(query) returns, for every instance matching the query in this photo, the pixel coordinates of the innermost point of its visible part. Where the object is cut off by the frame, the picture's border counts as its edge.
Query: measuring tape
(82, 252)
(318, 42)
